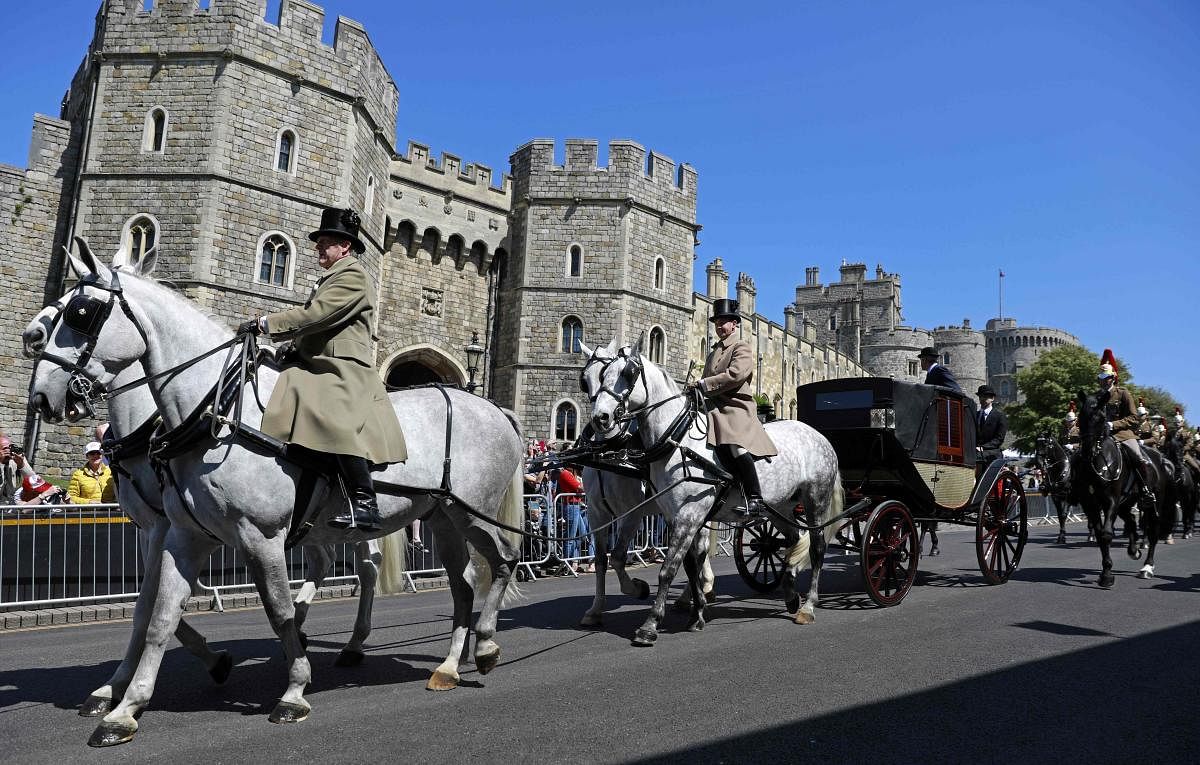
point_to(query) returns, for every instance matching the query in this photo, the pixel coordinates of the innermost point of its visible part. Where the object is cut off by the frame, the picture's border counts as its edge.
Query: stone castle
(217, 136)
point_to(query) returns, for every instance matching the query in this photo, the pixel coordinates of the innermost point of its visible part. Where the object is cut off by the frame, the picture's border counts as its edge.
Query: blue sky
(945, 140)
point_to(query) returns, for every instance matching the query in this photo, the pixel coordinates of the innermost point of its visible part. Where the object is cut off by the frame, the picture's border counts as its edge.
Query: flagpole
(1001, 293)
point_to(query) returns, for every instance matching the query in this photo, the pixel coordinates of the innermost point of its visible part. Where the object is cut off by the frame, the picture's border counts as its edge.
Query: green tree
(1048, 386)
(1158, 400)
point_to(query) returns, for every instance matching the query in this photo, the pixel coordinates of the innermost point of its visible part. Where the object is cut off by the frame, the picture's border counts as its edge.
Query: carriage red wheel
(890, 550)
(759, 551)
(1001, 528)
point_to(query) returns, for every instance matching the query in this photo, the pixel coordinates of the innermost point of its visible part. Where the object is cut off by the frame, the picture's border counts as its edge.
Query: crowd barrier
(58, 555)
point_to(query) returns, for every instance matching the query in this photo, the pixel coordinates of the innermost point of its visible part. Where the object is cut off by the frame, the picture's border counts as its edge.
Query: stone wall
(893, 352)
(962, 349)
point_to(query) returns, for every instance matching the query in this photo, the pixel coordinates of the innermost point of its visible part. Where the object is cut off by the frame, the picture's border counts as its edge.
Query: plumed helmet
(1108, 365)
(1141, 408)
(1178, 416)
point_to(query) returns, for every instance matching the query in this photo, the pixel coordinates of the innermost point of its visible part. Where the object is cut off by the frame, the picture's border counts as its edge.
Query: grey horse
(623, 385)
(140, 495)
(225, 491)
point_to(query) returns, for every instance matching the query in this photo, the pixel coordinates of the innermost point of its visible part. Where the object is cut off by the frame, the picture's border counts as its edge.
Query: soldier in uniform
(1122, 420)
(1145, 426)
(1070, 428)
(329, 398)
(734, 430)
(1192, 454)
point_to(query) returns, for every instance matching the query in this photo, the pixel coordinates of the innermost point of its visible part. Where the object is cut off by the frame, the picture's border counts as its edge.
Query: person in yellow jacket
(92, 483)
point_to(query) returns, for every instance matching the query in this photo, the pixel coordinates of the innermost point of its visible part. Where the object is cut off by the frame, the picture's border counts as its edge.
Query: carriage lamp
(474, 353)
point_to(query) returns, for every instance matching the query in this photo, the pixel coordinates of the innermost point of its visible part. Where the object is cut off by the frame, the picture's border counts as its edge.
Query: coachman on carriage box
(329, 397)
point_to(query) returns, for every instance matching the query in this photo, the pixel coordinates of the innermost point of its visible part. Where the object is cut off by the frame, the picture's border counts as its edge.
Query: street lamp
(474, 353)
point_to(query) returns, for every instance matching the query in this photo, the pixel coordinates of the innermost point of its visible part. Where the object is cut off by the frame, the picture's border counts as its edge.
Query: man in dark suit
(935, 373)
(991, 426)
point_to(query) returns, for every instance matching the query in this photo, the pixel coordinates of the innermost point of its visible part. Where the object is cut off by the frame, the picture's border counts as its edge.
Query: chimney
(718, 280)
(791, 319)
(745, 294)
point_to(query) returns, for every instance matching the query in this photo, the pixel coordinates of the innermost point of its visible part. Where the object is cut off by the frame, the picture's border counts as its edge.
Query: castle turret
(963, 350)
(718, 280)
(746, 293)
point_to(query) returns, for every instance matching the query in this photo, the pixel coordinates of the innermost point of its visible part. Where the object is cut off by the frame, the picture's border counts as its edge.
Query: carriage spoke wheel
(890, 550)
(758, 551)
(1001, 529)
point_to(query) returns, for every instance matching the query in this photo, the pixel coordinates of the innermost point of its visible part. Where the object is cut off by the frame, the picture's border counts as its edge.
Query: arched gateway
(422, 364)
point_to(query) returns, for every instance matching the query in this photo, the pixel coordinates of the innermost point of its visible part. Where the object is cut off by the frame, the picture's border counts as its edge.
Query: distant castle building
(862, 318)
(218, 136)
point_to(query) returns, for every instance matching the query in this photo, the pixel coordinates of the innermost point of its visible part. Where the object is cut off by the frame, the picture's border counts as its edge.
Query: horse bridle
(631, 373)
(86, 316)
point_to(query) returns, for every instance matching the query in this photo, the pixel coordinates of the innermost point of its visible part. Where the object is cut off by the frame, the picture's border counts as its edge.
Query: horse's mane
(171, 292)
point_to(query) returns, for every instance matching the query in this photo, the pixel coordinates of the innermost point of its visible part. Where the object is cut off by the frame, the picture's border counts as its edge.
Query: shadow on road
(1041, 711)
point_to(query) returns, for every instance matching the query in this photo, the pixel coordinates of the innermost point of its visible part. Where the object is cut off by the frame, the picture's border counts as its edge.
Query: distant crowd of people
(23, 488)
(561, 488)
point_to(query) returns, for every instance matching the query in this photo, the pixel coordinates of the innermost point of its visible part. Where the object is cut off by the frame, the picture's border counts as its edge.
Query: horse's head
(613, 379)
(1091, 421)
(80, 342)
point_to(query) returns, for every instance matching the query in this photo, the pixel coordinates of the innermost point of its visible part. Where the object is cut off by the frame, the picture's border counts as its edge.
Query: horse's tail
(392, 549)
(797, 554)
(510, 513)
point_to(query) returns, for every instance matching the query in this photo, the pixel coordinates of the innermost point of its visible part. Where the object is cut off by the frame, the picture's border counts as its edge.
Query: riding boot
(1144, 474)
(748, 475)
(364, 514)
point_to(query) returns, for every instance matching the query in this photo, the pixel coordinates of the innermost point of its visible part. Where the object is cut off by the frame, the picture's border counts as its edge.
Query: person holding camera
(14, 469)
(35, 490)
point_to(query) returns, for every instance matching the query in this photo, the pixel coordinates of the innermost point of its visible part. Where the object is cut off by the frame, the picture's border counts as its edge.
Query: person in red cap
(35, 490)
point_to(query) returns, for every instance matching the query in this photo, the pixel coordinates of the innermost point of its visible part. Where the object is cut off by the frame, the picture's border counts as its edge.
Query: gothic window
(832, 323)
(704, 347)
(575, 261)
(913, 368)
(274, 259)
(285, 152)
(154, 136)
(660, 274)
(572, 335)
(369, 201)
(141, 234)
(566, 422)
(946, 359)
(658, 342)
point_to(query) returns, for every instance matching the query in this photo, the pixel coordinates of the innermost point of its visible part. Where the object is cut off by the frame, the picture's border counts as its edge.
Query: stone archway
(419, 365)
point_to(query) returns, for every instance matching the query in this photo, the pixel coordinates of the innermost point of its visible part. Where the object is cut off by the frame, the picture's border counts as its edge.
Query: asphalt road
(1044, 669)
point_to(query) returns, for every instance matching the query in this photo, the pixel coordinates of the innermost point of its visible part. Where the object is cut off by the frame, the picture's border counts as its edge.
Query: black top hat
(724, 308)
(985, 390)
(927, 353)
(336, 222)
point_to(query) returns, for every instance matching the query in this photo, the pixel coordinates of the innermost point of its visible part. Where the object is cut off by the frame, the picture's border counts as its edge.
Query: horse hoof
(1147, 572)
(710, 597)
(287, 712)
(934, 551)
(803, 617)
(1062, 539)
(112, 733)
(442, 681)
(95, 706)
(486, 662)
(643, 638)
(696, 626)
(1169, 541)
(793, 604)
(643, 589)
(220, 671)
(1107, 581)
(348, 658)
(591, 623)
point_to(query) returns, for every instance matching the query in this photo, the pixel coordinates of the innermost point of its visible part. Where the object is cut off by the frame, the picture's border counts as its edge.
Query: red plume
(1177, 410)
(1111, 360)
(1072, 406)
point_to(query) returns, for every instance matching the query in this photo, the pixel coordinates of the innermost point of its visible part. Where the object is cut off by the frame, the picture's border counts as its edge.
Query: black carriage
(907, 456)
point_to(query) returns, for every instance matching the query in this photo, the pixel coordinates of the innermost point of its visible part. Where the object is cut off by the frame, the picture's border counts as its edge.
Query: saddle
(1108, 461)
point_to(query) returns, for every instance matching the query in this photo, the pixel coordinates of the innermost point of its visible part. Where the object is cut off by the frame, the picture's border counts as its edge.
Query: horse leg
(452, 551)
(266, 561)
(180, 558)
(501, 556)
(619, 557)
(318, 561)
(1060, 507)
(1103, 525)
(933, 541)
(682, 533)
(594, 616)
(694, 561)
(816, 557)
(1154, 528)
(367, 569)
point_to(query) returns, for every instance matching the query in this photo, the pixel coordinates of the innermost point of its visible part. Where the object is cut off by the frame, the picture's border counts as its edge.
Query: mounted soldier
(329, 398)
(1145, 430)
(734, 430)
(1122, 419)
(1070, 428)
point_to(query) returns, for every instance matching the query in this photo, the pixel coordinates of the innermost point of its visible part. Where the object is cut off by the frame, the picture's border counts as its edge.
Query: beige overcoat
(331, 399)
(732, 413)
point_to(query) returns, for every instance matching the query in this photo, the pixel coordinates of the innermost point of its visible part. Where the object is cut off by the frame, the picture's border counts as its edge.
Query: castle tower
(1011, 348)
(893, 352)
(218, 136)
(605, 252)
(963, 350)
(845, 311)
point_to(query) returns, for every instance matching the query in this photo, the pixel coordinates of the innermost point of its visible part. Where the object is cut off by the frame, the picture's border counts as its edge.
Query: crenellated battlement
(292, 44)
(450, 174)
(632, 173)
